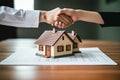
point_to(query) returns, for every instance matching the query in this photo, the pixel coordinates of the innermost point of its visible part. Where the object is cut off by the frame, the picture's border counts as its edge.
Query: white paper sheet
(88, 56)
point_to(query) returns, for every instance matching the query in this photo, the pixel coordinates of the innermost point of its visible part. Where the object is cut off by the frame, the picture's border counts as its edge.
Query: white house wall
(40, 52)
(52, 51)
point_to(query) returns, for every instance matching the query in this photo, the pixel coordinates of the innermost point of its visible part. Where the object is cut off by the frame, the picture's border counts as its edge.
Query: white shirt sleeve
(19, 18)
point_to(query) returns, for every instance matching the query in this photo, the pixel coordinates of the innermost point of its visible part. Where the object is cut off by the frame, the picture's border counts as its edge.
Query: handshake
(63, 18)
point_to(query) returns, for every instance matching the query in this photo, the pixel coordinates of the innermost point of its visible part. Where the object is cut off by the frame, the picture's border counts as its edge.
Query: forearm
(42, 17)
(90, 16)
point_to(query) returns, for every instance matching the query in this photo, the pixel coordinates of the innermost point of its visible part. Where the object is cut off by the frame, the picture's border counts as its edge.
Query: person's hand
(74, 14)
(54, 18)
(66, 17)
(63, 21)
(49, 16)
(52, 15)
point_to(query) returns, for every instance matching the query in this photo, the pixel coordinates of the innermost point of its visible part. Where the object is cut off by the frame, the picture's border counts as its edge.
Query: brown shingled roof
(49, 38)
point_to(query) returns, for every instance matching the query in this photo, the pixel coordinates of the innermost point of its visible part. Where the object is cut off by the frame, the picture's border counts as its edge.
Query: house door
(48, 51)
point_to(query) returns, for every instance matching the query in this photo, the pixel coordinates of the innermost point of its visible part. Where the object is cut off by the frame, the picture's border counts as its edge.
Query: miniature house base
(57, 43)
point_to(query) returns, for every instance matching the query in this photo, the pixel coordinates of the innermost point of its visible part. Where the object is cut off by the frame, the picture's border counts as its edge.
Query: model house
(57, 43)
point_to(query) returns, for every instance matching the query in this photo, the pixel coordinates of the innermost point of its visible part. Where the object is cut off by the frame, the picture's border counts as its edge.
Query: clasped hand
(56, 17)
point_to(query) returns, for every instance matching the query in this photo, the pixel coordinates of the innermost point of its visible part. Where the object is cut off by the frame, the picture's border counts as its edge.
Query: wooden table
(112, 49)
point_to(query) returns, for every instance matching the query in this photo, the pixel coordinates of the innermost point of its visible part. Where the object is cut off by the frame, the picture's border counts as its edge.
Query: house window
(68, 47)
(60, 48)
(62, 37)
(75, 45)
(41, 47)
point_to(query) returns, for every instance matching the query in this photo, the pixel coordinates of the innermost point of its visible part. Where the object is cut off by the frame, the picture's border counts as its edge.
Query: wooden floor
(112, 49)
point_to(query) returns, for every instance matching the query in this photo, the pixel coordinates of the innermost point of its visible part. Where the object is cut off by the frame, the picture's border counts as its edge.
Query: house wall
(64, 43)
(40, 52)
(76, 49)
(52, 51)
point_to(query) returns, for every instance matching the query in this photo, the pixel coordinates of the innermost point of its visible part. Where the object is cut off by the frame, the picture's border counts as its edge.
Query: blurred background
(84, 29)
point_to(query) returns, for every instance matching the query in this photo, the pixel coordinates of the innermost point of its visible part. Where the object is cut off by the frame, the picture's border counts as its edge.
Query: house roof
(50, 38)
(74, 36)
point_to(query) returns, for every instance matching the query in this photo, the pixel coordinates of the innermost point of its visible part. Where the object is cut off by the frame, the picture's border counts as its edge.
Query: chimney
(54, 30)
(73, 32)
